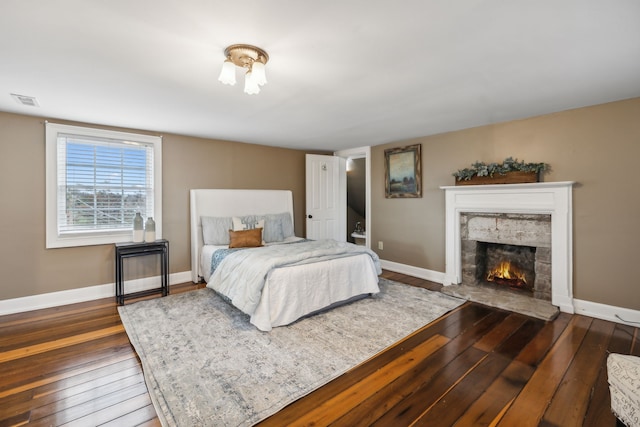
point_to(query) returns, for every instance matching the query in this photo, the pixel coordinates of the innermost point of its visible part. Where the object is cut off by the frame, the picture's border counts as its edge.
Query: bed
(287, 292)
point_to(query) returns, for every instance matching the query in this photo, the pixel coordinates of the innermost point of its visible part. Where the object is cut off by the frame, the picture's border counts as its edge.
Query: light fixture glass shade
(250, 85)
(252, 59)
(258, 73)
(228, 73)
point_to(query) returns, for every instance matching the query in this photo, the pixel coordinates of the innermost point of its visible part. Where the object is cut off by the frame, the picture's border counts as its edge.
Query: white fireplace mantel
(554, 198)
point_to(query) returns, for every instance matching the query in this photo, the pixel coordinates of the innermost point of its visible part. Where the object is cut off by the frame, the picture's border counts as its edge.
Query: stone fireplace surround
(527, 239)
(552, 198)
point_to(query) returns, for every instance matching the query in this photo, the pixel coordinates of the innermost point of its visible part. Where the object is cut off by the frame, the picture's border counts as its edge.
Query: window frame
(53, 239)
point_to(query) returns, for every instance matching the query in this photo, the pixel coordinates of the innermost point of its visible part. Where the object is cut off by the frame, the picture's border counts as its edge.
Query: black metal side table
(129, 250)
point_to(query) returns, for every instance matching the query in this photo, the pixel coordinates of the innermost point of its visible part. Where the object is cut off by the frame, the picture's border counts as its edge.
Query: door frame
(359, 153)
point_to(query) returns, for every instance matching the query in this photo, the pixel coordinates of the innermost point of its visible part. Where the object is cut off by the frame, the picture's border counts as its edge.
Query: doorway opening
(358, 182)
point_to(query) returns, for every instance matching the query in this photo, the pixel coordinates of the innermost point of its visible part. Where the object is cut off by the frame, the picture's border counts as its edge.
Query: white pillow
(246, 223)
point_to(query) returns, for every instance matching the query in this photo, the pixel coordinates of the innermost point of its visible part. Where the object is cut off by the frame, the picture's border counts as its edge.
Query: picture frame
(402, 172)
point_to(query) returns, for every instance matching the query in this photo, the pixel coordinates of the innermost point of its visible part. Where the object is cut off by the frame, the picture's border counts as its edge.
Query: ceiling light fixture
(245, 56)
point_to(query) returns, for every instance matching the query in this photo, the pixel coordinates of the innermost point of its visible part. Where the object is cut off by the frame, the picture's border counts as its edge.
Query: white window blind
(102, 178)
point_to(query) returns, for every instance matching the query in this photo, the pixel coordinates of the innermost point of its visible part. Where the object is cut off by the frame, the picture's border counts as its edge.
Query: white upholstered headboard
(227, 203)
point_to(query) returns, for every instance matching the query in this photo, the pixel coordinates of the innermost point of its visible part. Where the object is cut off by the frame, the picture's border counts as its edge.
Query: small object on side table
(135, 249)
(150, 230)
(138, 228)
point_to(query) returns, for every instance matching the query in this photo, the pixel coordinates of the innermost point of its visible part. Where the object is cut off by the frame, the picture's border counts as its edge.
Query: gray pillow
(287, 225)
(215, 230)
(272, 228)
(282, 225)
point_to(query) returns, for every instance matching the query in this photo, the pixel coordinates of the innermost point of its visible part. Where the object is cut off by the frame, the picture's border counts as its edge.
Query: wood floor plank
(455, 402)
(473, 314)
(536, 395)
(99, 375)
(88, 389)
(48, 315)
(29, 336)
(599, 411)
(141, 415)
(498, 334)
(151, 423)
(457, 365)
(86, 392)
(68, 411)
(513, 345)
(430, 392)
(635, 346)
(15, 420)
(490, 407)
(494, 401)
(469, 388)
(68, 355)
(43, 372)
(15, 404)
(118, 412)
(392, 393)
(571, 399)
(534, 351)
(76, 397)
(59, 343)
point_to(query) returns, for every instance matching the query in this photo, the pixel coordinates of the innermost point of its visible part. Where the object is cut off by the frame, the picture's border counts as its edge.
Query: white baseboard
(587, 308)
(421, 273)
(625, 316)
(72, 296)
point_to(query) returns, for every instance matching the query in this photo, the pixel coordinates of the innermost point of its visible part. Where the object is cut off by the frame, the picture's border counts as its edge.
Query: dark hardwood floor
(476, 366)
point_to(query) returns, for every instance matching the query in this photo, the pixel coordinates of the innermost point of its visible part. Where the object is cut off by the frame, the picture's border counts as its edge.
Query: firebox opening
(509, 266)
(507, 273)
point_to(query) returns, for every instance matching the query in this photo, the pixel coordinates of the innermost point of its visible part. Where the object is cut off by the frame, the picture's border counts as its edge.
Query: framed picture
(402, 176)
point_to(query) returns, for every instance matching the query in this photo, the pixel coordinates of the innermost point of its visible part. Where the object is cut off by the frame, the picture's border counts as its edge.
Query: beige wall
(28, 268)
(598, 147)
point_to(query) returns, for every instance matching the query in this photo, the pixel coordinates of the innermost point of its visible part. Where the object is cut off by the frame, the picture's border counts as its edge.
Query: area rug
(205, 364)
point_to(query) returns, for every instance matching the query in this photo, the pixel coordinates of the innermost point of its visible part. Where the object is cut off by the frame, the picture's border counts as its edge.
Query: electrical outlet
(380, 245)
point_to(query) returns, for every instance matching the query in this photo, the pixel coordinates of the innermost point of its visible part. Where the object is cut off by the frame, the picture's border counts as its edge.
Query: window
(96, 182)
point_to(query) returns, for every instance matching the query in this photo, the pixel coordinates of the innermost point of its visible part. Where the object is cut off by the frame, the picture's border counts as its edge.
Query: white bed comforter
(241, 275)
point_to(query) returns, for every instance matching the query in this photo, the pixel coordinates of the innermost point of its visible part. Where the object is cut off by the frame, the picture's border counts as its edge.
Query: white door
(326, 189)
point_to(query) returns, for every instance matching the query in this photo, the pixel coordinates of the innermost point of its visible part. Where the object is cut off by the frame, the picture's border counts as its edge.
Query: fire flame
(507, 272)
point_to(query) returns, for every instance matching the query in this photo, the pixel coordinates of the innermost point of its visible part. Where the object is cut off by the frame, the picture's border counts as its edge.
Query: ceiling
(341, 74)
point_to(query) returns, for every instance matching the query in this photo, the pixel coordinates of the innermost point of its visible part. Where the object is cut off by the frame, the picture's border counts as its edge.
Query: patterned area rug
(205, 364)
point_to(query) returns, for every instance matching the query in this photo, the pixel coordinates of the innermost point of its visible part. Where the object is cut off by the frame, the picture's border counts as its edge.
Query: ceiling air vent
(29, 101)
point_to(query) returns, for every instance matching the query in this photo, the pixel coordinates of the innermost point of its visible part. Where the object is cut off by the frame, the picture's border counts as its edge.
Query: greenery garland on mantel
(490, 169)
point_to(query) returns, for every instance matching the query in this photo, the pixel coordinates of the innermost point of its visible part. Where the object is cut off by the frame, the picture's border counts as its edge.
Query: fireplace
(509, 252)
(478, 216)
